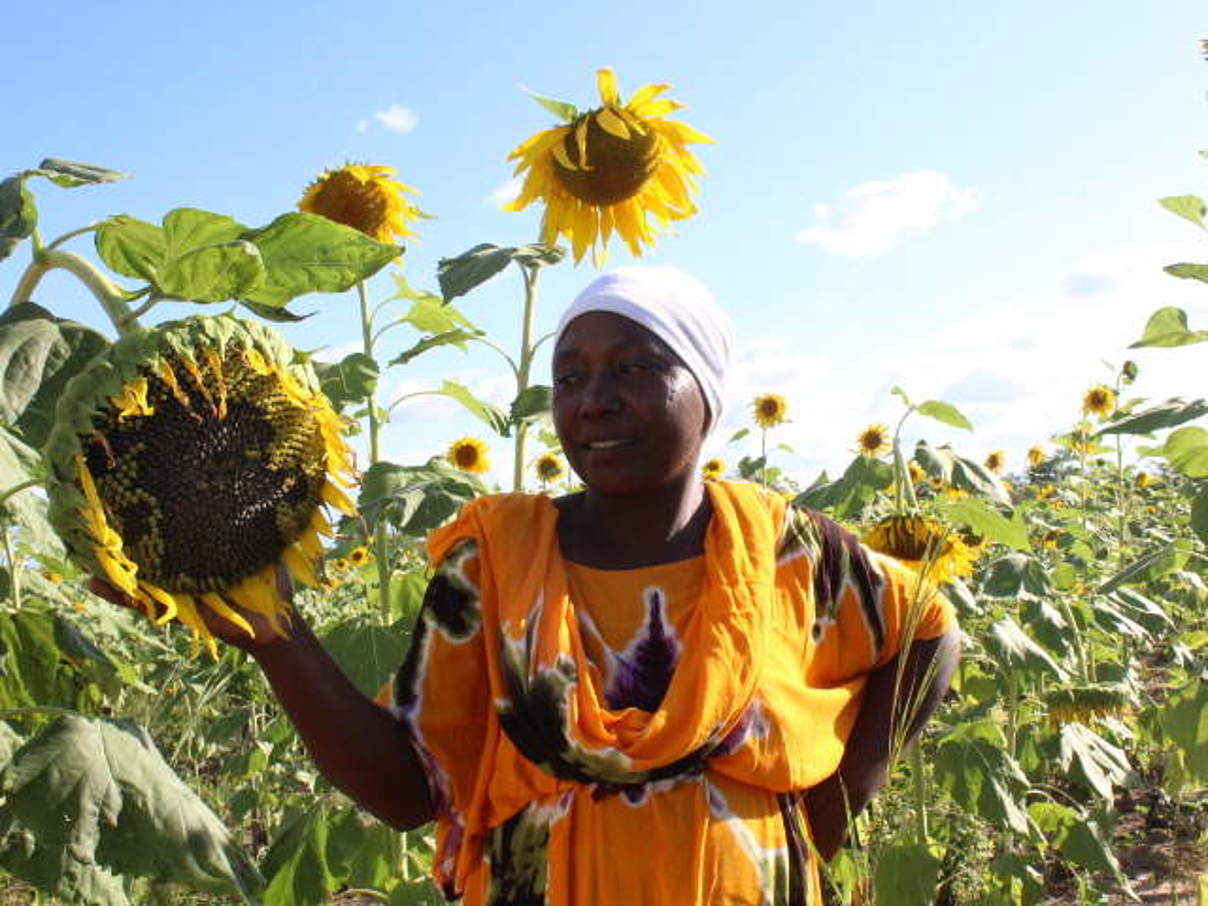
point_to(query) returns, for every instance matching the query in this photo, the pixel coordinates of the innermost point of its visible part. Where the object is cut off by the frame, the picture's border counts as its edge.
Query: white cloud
(362, 126)
(875, 217)
(397, 118)
(507, 192)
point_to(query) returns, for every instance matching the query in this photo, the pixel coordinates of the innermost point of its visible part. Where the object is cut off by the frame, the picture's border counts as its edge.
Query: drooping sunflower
(996, 461)
(927, 546)
(1099, 400)
(770, 410)
(873, 440)
(713, 468)
(1036, 456)
(186, 461)
(364, 197)
(549, 467)
(610, 169)
(469, 454)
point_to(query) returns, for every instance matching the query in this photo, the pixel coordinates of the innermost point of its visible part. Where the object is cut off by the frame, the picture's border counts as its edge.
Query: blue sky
(957, 198)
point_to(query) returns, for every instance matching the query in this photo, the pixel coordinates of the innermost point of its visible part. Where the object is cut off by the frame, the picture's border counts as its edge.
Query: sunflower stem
(14, 574)
(91, 228)
(524, 366)
(918, 779)
(375, 427)
(111, 296)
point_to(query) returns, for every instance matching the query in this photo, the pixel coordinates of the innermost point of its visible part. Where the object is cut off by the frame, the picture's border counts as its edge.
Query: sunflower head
(610, 169)
(996, 461)
(364, 197)
(469, 454)
(358, 556)
(186, 461)
(713, 468)
(873, 440)
(917, 475)
(1099, 400)
(1036, 456)
(925, 545)
(549, 467)
(770, 409)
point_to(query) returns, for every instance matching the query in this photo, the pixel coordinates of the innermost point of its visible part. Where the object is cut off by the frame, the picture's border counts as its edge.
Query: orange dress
(644, 736)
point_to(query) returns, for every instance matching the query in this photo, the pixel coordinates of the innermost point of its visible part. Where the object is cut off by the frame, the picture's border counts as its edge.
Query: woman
(653, 691)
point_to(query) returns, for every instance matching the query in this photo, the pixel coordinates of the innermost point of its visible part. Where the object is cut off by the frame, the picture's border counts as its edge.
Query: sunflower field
(185, 466)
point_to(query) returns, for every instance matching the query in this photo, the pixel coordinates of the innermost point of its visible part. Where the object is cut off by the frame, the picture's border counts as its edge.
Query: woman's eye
(635, 367)
(564, 380)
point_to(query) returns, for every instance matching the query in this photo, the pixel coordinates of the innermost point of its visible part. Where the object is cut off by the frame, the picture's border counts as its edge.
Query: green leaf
(971, 763)
(71, 173)
(416, 498)
(739, 435)
(943, 463)
(1022, 882)
(1161, 561)
(1186, 450)
(214, 273)
(457, 276)
(944, 412)
(1184, 722)
(564, 110)
(1188, 271)
(20, 463)
(368, 652)
(988, 522)
(906, 875)
(532, 403)
(296, 864)
(428, 314)
(1199, 514)
(1190, 207)
(489, 413)
(1168, 327)
(275, 314)
(96, 791)
(39, 354)
(901, 394)
(1091, 759)
(1078, 837)
(306, 253)
(33, 670)
(1174, 411)
(1013, 649)
(849, 494)
(18, 214)
(131, 246)
(352, 380)
(1016, 575)
(456, 337)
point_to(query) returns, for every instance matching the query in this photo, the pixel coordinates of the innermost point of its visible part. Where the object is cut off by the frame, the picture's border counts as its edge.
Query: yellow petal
(300, 566)
(644, 94)
(659, 107)
(216, 603)
(563, 158)
(610, 122)
(169, 603)
(606, 81)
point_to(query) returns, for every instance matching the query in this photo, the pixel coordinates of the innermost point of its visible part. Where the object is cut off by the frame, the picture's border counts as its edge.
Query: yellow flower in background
(1100, 401)
(1036, 456)
(358, 556)
(713, 468)
(770, 410)
(927, 546)
(341, 565)
(1082, 440)
(549, 467)
(1143, 480)
(1045, 492)
(188, 461)
(364, 197)
(469, 454)
(917, 475)
(996, 461)
(873, 440)
(610, 170)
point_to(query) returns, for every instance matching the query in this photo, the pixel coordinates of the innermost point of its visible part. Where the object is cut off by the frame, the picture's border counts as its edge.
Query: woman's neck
(659, 526)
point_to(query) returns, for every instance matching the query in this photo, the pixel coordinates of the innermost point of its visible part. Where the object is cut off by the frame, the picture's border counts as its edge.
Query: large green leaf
(213, 273)
(849, 494)
(532, 403)
(906, 875)
(39, 354)
(486, 412)
(943, 463)
(1189, 206)
(296, 864)
(1188, 271)
(1077, 836)
(97, 792)
(18, 214)
(1014, 650)
(1186, 450)
(306, 253)
(945, 413)
(33, 670)
(416, 499)
(131, 246)
(1016, 575)
(988, 522)
(1168, 327)
(1168, 414)
(1184, 721)
(368, 652)
(971, 763)
(1160, 561)
(1090, 758)
(457, 276)
(351, 380)
(19, 464)
(428, 314)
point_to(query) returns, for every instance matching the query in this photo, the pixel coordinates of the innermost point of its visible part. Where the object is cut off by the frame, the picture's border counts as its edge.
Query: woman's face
(630, 416)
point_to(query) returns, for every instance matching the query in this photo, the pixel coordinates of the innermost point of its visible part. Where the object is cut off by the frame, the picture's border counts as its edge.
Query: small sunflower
(1082, 440)
(549, 467)
(713, 468)
(1045, 492)
(610, 170)
(187, 461)
(1143, 480)
(358, 556)
(996, 461)
(341, 565)
(770, 410)
(1036, 456)
(469, 454)
(917, 475)
(1099, 400)
(364, 197)
(927, 546)
(873, 440)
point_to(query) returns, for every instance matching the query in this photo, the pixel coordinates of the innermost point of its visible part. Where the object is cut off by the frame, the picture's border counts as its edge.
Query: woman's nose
(599, 394)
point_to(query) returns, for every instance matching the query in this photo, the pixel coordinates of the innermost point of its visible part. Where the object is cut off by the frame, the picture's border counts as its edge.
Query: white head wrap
(676, 308)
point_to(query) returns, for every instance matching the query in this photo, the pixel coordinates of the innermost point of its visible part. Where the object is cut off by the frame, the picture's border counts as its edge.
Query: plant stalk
(919, 783)
(375, 427)
(524, 367)
(111, 296)
(14, 579)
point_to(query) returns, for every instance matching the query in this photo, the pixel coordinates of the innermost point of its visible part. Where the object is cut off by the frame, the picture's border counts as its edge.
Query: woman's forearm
(891, 702)
(360, 747)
